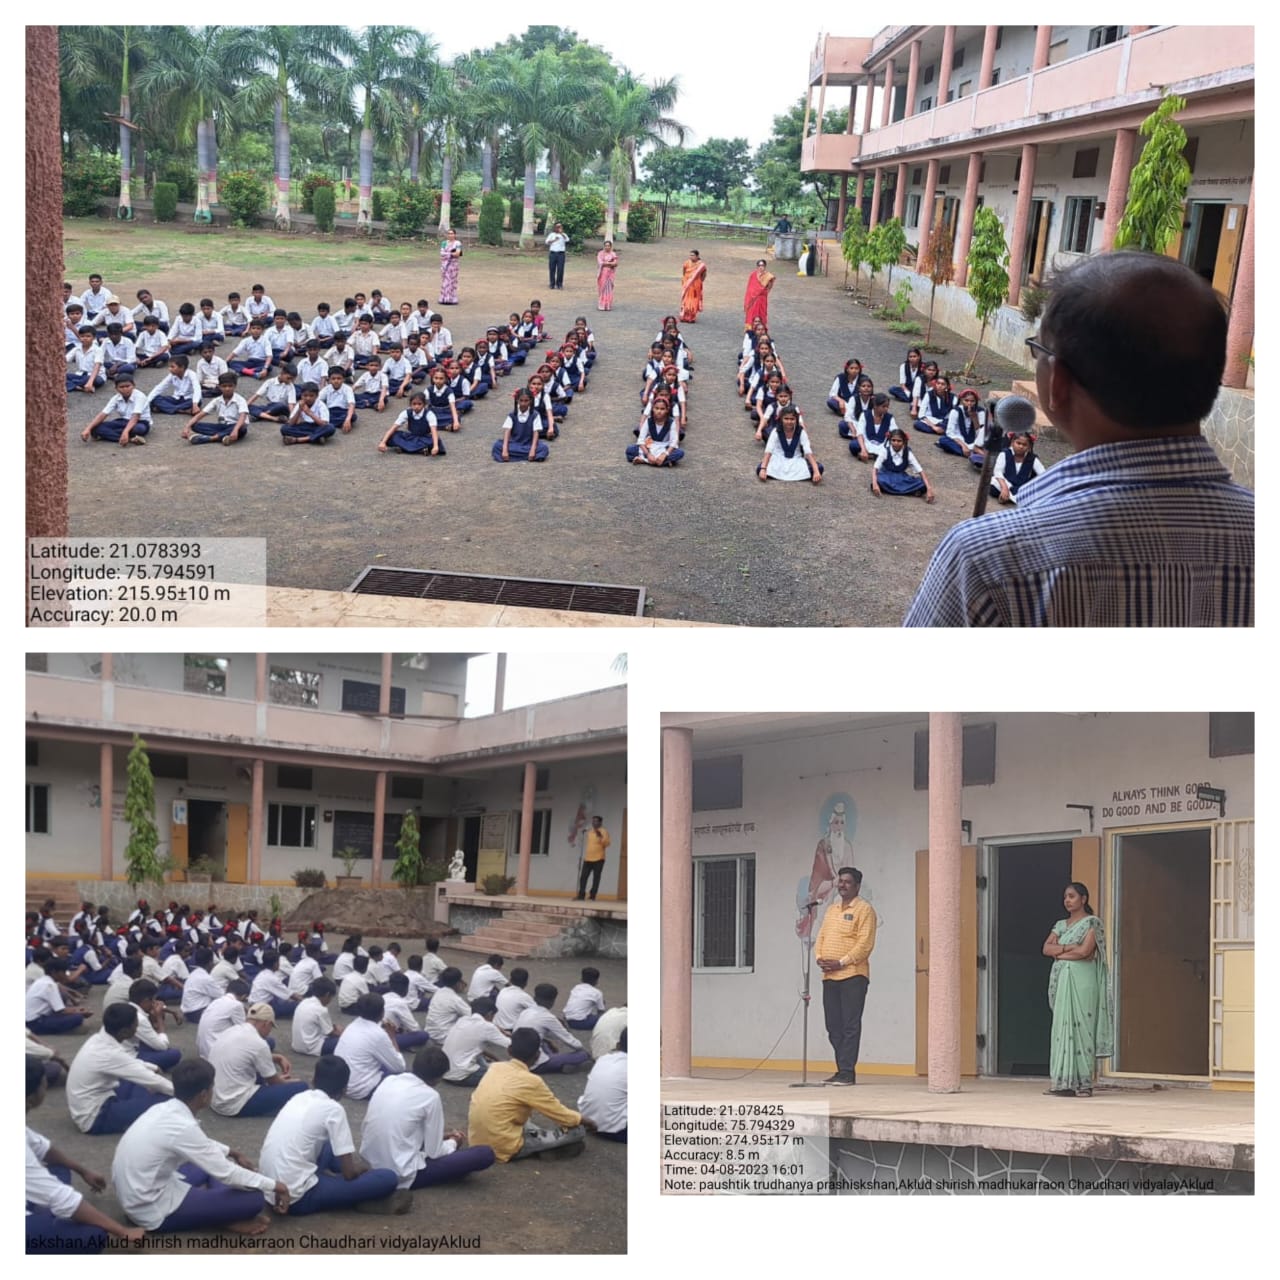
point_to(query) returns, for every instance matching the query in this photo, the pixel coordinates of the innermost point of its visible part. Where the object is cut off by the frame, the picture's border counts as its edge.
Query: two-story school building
(268, 763)
(1153, 812)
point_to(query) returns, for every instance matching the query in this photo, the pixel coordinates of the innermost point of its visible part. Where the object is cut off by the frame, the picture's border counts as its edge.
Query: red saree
(755, 304)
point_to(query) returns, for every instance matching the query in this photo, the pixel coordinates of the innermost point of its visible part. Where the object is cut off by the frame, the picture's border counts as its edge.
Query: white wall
(1043, 763)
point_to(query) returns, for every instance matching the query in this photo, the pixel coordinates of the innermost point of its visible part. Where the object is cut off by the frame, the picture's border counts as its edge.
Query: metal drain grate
(479, 588)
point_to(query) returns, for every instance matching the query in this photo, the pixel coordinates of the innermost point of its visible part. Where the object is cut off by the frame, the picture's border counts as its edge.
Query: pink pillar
(968, 208)
(900, 191)
(866, 106)
(948, 61)
(260, 678)
(1041, 56)
(988, 57)
(913, 77)
(857, 192)
(105, 783)
(384, 687)
(1240, 321)
(500, 685)
(677, 902)
(379, 819)
(843, 206)
(1118, 186)
(526, 825)
(944, 901)
(875, 196)
(886, 107)
(930, 194)
(808, 105)
(853, 98)
(257, 824)
(1021, 218)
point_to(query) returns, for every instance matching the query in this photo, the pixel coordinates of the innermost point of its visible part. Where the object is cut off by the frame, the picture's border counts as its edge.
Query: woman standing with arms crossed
(755, 304)
(450, 257)
(692, 278)
(607, 266)
(1079, 995)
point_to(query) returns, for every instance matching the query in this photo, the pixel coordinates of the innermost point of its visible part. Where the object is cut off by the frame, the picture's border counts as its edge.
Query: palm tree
(285, 62)
(641, 118)
(423, 73)
(454, 104)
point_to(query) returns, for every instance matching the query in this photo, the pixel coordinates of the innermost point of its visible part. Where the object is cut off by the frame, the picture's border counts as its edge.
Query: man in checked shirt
(844, 945)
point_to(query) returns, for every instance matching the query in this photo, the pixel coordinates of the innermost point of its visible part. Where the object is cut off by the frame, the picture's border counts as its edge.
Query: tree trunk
(212, 178)
(365, 211)
(124, 210)
(928, 333)
(488, 164)
(623, 210)
(140, 165)
(973, 359)
(609, 208)
(530, 191)
(555, 167)
(415, 152)
(202, 171)
(282, 166)
(446, 189)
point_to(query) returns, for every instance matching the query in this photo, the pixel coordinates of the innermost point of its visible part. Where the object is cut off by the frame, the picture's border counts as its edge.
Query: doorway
(1037, 242)
(1029, 879)
(207, 829)
(1210, 244)
(1163, 885)
(471, 844)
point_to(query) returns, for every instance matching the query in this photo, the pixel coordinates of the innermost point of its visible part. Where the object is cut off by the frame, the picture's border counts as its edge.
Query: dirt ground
(529, 1206)
(706, 540)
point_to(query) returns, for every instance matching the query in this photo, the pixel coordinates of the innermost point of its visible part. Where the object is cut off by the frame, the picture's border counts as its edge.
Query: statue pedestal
(443, 889)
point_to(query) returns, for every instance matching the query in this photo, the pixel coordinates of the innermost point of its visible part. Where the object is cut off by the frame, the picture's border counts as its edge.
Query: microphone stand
(804, 1082)
(992, 447)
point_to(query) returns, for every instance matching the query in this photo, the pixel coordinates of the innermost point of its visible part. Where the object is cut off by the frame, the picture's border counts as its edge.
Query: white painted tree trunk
(415, 153)
(211, 178)
(125, 209)
(282, 167)
(446, 190)
(530, 191)
(365, 212)
(609, 209)
(486, 168)
(555, 167)
(622, 219)
(202, 170)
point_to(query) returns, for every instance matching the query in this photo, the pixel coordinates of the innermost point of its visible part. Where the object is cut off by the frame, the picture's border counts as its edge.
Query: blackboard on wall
(359, 695)
(355, 830)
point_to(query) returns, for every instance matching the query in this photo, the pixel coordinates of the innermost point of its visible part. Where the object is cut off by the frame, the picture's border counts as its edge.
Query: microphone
(1010, 415)
(817, 902)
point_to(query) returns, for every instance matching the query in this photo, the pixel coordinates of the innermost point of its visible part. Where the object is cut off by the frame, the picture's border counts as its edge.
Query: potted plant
(497, 886)
(200, 870)
(346, 880)
(310, 878)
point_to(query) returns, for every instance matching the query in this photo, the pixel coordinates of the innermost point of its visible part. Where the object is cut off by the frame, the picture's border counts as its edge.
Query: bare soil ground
(707, 540)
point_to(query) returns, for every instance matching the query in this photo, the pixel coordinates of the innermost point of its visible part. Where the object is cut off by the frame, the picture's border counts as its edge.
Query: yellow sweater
(503, 1102)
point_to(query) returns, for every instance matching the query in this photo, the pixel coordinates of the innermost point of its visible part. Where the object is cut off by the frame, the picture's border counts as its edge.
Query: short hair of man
(485, 1006)
(545, 994)
(360, 964)
(591, 975)
(450, 977)
(332, 1075)
(202, 957)
(398, 982)
(238, 987)
(142, 990)
(519, 977)
(851, 871)
(132, 966)
(370, 1006)
(119, 1017)
(622, 1041)
(322, 987)
(495, 960)
(525, 1045)
(430, 1063)
(191, 1077)
(36, 1077)
(315, 950)
(1144, 335)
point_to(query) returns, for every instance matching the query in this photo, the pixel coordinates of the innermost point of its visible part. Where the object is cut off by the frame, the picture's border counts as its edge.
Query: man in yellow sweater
(843, 948)
(593, 858)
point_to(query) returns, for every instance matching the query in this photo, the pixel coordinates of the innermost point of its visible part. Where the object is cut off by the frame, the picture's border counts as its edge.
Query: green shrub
(515, 214)
(490, 226)
(581, 213)
(407, 209)
(309, 878)
(497, 885)
(312, 183)
(165, 199)
(245, 194)
(87, 180)
(642, 222)
(182, 176)
(539, 220)
(379, 211)
(322, 205)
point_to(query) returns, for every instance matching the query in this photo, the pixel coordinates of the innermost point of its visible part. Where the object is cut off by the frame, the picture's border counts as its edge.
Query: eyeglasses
(1038, 348)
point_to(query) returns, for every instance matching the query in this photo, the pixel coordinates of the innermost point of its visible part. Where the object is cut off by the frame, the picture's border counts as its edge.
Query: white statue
(458, 867)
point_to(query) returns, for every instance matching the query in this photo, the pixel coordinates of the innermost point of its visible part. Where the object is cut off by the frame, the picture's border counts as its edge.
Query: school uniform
(175, 393)
(119, 357)
(608, 1031)
(219, 1016)
(432, 967)
(856, 408)
(84, 363)
(313, 1032)
(251, 356)
(108, 317)
(961, 431)
(323, 329)
(337, 401)
(151, 1045)
(399, 1012)
(211, 327)
(225, 414)
(118, 985)
(151, 348)
(419, 365)
(282, 342)
(512, 1002)
(465, 1047)
(263, 309)
(208, 372)
(545, 408)
(94, 301)
(843, 387)
(414, 433)
(394, 334)
(486, 373)
(522, 444)
(270, 988)
(343, 965)
(441, 400)
(485, 980)
(420, 989)
(789, 459)
(604, 1100)
(583, 1006)
(345, 322)
(909, 389)
(305, 972)
(108, 1087)
(898, 472)
(280, 398)
(241, 1059)
(662, 442)
(185, 336)
(351, 988)
(875, 438)
(312, 424)
(368, 1051)
(447, 1006)
(364, 346)
(119, 409)
(379, 309)
(316, 370)
(46, 1013)
(369, 389)
(235, 320)
(569, 1052)
(1014, 473)
(403, 1130)
(51, 1201)
(399, 375)
(439, 343)
(933, 413)
(198, 992)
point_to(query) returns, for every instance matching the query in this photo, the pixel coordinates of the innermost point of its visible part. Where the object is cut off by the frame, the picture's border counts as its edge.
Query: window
(944, 175)
(982, 171)
(360, 695)
(999, 36)
(38, 662)
(33, 752)
(958, 61)
(354, 828)
(995, 74)
(1230, 733)
(951, 94)
(541, 831)
(204, 674)
(724, 912)
(293, 777)
(927, 78)
(977, 757)
(1077, 225)
(403, 788)
(542, 779)
(291, 826)
(913, 211)
(717, 784)
(926, 104)
(164, 765)
(1099, 36)
(1058, 52)
(916, 175)
(1190, 151)
(288, 687)
(1017, 169)
(38, 808)
(966, 87)
(1086, 163)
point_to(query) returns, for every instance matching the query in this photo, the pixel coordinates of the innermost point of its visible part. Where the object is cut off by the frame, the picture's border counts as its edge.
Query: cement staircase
(515, 933)
(65, 898)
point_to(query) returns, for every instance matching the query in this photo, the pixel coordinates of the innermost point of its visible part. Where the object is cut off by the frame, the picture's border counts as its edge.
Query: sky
(538, 677)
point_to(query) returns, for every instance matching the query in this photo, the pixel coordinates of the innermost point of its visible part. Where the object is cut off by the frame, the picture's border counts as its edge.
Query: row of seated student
(664, 400)
(236, 983)
(779, 423)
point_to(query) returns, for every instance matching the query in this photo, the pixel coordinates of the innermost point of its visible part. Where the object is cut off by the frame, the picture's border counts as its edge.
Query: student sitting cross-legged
(150, 1042)
(368, 1044)
(447, 1005)
(310, 422)
(250, 1080)
(414, 431)
(561, 1049)
(125, 418)
(108, 1087)
(472, 1043)
(46, 1011)
(224, 418)
(512, 1001)
(404, 1128)
(178, 391)
(584, 1003)
(604, 1100)
(313, 1030)
(276, 397)
(398, 1012)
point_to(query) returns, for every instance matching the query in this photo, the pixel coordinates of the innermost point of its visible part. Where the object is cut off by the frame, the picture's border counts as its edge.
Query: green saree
(1080, 997)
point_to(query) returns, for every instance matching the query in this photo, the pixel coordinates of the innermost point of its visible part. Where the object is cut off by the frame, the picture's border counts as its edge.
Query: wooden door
(1174, 248)
(178, 832)
(237, 843)
(1224, 266)
(968, 961)
(1086, 867)
(622, 861)
(1042, 240)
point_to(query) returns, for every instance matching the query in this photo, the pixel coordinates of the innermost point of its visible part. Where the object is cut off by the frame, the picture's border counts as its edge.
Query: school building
(1040, 124)
(268, 763)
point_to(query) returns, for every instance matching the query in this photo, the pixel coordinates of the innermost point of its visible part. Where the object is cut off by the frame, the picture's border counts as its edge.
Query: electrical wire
(772, 1047)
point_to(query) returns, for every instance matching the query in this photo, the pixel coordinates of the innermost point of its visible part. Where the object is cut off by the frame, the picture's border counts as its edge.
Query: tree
(893, 244)
(988, 274)
(786, 143)
(935, 262)
(1152, 217)
(422, 83)
(142, 864)
(853, 247)
(667, 169)
(717, 165)
(880, 252)
(408, 869)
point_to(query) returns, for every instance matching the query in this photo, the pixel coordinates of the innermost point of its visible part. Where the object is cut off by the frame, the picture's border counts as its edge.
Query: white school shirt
(219, 1016)
(608, 1030)
(392, 964)
(1006, 469)
(404, 1127)
(397, 370)
(485, 978)
(582, 1002)
(418, 985)
(415, 359)
(199, 991)
(345, 322)
(277, 392)
(144, 1172)
(279, 339)
(351, 988)
(42, 1189)
(292, 1145)
(117, 987)
(367, 1048)
(228, 414)
(95, 300)
(659, 447)
(446, 1007)
(311, 1024)
(889, 452)
(364, 344)
(301, 334)
(210, 324)
(373, 383)
(34, 971)
(157, 309)
(466, 1042)
(209, 371)
(398, 1012)
(122, 352)
(512, 1002)
(397, 331)
(99, 1066)
(183, 330)
(378, 972)
(305, 972)
(185, 387)
(550, 1028)
(224, 973)
(323, 326)
(346, 959)
(780, 466)
(238, 1057)
(340, 359)
(43, 997)
(146, 1033)
(250, 348)
(233, 315)
(344, 398)
(956, 417)
(267, 986)
(175, 967)
(432, 966)
(125, 407)
(121, 317)
(437, 344)
(316, 371)
(151, 970)
(149, 344)
(85, 359)
(263, 309)
(604, 1100)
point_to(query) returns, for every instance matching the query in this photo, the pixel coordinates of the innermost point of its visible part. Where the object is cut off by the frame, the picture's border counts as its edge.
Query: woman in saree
(607, 266)
(450, 256)
(692, 279)
(1079, 995)
(756, 302)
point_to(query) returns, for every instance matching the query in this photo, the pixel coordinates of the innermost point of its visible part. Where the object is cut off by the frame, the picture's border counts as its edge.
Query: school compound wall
(1043, 764)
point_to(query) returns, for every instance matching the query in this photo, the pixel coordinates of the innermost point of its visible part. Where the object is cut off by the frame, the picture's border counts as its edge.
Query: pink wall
(830, 152)
(587, 712)
(182, 713)
(326, 729)
(1170, 54)
(63, 698)
(1001, 103)
(842, 57)
(1093, 77)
